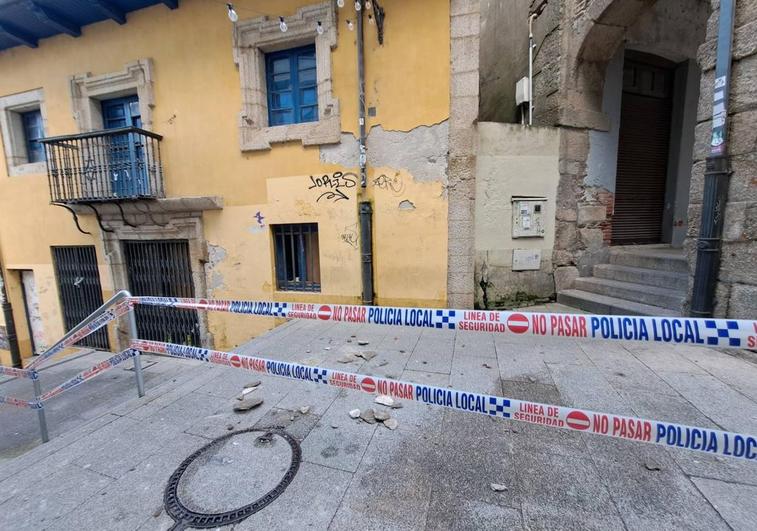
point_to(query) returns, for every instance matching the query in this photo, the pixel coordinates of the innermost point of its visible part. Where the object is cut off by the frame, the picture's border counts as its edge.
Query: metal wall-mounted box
(528, 216)
(526, 259)
(521, 91)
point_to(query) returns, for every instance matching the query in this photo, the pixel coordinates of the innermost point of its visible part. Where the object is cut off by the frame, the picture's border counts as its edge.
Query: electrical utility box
(521, 91)
(528, 216)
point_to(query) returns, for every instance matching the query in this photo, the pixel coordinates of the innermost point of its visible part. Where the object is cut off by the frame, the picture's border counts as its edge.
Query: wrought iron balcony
(110, 165)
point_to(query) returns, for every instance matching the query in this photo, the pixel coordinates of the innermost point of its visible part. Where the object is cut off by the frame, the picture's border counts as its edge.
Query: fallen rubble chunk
(381, 415)
(486, 365)
(248, 404)
(383, 363)
(384, 400)
(391, 424)
(497, 487)
(367, 355)
(347, 358)
(252, 384)
(304, 410)
(355, 413)
(368, 415)
(362, 342)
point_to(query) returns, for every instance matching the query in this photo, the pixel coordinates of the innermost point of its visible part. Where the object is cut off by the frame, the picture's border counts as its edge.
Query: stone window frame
(13, 134)
(254, 38)
(87, 91)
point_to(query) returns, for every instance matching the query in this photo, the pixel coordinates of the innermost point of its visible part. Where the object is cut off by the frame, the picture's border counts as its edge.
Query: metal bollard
(41, 411)
(131, 322)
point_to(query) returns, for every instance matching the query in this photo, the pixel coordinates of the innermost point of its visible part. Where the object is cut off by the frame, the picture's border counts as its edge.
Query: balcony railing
(110, 165)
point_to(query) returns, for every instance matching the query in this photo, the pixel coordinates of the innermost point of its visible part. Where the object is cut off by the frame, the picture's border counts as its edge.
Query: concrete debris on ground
(355, 413)
(486, 365)
(368, 415)
(367, 355)
(497, 487)
(382, 363)
(347, 358)
(381, 415)
(362, 342)
(556, 479)
(391, 424)
(248, 404)
(384, 400)
(304, 410)
(252, 384)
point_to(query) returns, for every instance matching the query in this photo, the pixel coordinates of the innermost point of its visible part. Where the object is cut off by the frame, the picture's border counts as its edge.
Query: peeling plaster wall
(407, 86)
(422, 151)
(513, 161)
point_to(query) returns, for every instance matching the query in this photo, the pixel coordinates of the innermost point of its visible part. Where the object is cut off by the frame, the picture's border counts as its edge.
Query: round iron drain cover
(227, 471)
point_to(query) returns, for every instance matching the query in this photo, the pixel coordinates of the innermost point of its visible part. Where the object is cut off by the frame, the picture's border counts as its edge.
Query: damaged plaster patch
(216, 255)
(422, 151)
(406, 205)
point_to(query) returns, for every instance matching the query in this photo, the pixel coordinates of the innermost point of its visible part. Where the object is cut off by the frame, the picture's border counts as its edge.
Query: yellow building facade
(234, 183)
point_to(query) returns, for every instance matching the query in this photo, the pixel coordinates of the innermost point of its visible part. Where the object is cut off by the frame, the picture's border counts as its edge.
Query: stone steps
(641, 275)
(638, 280)
(601, 304)
(657, 260)
(641, 293)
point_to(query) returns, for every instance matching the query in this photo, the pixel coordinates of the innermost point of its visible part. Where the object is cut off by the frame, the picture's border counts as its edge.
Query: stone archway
(597, 31)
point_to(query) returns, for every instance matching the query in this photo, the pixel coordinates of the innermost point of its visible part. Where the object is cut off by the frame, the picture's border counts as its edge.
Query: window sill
(31, 168)
(325, 131)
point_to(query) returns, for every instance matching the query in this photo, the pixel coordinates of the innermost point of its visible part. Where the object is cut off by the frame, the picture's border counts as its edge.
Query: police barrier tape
(89, 373)
(18, 402)
(106, 317)
(732, 333)
(18, 373)
(630, 428)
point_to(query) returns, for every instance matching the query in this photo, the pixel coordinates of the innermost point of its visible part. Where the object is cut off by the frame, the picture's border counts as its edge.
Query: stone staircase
(639, 280)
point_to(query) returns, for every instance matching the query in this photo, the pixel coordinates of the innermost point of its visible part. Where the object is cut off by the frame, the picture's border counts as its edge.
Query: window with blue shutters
(33, 131)
(292, 86)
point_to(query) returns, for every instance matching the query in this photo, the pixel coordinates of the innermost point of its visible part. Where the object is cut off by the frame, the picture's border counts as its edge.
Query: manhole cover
(214, 486)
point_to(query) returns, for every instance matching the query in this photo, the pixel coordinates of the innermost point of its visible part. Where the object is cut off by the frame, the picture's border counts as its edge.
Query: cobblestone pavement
(108, 468)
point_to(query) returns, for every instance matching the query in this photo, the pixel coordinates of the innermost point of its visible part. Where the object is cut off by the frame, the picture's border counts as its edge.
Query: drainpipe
(531, 45)
(10, 324)
(365, 213)
(716, 175)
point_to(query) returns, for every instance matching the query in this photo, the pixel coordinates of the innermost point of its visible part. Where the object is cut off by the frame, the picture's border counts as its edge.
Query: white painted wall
(512, 161)
(33, 311)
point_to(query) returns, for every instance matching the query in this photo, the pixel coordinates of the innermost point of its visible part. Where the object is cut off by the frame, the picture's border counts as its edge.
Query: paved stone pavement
(433, 472)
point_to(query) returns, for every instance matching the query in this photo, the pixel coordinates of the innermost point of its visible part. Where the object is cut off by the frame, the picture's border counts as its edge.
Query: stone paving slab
(109, 468)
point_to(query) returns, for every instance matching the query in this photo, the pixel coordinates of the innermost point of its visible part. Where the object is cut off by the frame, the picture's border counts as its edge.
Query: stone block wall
(461, 168)
(736, 293)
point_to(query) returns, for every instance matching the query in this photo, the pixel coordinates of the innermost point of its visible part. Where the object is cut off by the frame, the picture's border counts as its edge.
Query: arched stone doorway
(630, 100)
(636, 81)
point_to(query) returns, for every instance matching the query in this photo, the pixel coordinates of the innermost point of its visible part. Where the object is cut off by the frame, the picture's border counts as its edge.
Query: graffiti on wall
(260, 225)
(349, 235)
(334, 186)
(394, 184)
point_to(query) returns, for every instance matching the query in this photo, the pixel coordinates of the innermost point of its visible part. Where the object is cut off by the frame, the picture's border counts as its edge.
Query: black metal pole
(716, 175)
(10, 324)
(365, 209)
(366, 250)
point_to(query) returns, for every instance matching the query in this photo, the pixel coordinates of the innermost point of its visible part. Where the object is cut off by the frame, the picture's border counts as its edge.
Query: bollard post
(41, 411)
(131, 323)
